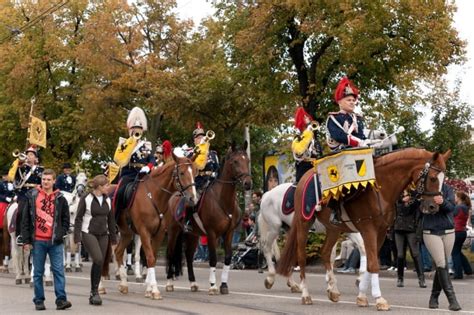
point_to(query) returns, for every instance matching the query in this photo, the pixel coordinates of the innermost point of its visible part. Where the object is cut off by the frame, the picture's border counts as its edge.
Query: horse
(270, 220)
(71, 248)
(147, 214)
(371, 212)
(4, 239)
(218, 215)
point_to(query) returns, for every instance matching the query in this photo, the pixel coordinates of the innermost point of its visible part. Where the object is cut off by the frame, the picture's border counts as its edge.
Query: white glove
(145, 169)
(8, 199)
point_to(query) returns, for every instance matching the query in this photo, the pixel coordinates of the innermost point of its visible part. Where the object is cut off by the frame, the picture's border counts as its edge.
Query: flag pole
(29, 121)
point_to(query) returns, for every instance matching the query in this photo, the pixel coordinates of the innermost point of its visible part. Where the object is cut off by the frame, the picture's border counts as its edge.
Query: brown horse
(371, 213)
(219, 214)
(148, 214)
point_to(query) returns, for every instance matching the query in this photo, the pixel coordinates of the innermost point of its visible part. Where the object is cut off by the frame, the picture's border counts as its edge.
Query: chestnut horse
(371, 212)
(219, 214)
(147, 214)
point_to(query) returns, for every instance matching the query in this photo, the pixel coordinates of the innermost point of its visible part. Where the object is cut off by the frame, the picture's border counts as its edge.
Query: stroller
(248, 254)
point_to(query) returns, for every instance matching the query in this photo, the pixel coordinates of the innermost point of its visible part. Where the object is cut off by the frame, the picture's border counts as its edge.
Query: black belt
(205, 173)
(136, 164)
(438, 232)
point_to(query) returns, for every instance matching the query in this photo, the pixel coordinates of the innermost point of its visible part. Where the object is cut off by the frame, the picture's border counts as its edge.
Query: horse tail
(174, 264)
(289, 257)
(107, 259)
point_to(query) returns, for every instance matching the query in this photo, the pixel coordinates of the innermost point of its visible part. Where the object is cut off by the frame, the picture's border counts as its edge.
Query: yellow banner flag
(37, 132)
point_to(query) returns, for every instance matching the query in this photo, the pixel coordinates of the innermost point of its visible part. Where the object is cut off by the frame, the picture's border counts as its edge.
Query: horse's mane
(403, 154)
(160, 170)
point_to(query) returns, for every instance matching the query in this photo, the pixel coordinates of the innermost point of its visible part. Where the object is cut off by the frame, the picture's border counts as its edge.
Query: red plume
(300, 115)
(345, 88)
(167, 147)
(199, 125)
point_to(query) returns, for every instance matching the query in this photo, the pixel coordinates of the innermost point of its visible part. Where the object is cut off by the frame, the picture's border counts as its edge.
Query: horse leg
(125, 239)
(191, 245)
(16, 260)
(327, 255)
(137, 269)
(359, 242)
(172, 250)
(150, 247)
(76, 250)
(105, 269)
(212, 244)
(268, 235)
(301, 258)
(227, 259)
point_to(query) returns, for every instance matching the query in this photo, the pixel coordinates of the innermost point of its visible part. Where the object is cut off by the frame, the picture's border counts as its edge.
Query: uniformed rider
(206, 162)
(305, 146)
(162, 153)
(133, 155)
(66, 181)
(345, 129)
(25, 174)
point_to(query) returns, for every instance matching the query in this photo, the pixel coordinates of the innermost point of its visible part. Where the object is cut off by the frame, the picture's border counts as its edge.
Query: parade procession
(221, 157)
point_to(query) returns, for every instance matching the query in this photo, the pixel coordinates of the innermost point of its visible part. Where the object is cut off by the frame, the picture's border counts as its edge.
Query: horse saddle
(311, 197)
(124, 197)
(288, 203)
(180, 208)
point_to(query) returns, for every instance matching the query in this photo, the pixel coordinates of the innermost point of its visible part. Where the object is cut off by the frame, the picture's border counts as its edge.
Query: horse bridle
(177, 180)
(421, 182)
(235, 179)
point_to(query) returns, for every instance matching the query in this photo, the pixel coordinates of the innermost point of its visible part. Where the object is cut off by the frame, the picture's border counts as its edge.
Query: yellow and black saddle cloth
(346, 172)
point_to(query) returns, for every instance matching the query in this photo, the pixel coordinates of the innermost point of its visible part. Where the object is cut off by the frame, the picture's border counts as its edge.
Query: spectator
(388, 262)
(405, 234)
(347, 246)
(202, 253)
(352, 263)
(45, 222)
(461, 214)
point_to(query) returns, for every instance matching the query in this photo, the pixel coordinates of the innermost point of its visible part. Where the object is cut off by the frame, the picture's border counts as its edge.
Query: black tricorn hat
(67, 165)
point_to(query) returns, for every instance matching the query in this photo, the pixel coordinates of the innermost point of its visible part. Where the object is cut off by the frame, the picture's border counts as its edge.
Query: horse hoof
(194, 288)
(68, 269)
(295, 289)
(268, 284)
(27, 280)
(102, 291)
(224, 288)
(169, 288)
(382, 304)
(139, 280)
(334, 296)
(49, 283)
(31, 284)
(117, 277)
(357, 283)
(78, 269)
(123, 289)
(148, 294)
(306, 300)
(17, 281)
(362, 301)
(213, 291)
(130, 272)
(107, 277)
(156, 296)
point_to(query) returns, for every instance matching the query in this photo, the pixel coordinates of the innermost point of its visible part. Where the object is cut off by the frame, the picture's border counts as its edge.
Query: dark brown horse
(219, 214)
(371, 212)
(148, 214)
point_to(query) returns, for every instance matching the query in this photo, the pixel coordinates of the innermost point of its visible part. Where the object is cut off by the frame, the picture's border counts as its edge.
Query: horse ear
(446, 155)
(233, 145)
(246, 144)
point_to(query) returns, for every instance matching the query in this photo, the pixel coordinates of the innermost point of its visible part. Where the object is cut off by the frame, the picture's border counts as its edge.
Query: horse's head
(430, 181)
(183, 174)
(81, 183)
(238, 164)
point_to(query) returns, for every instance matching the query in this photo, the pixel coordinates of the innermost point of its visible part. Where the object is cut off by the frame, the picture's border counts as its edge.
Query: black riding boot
(448, 289)
(187, 220)
(400, 270)
(335, 217)
(435, 291)
(95, 299)
(419, 272)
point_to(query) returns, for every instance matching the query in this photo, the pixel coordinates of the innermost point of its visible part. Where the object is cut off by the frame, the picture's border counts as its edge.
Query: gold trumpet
(314, 125)
(209, 136)
(19, 155)
(137, 135)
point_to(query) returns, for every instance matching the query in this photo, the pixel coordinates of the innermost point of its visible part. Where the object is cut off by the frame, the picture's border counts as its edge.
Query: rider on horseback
(133, 154)
(208, 171)
(162, 153)
(305, 146)
(345, 129)
(66, 181)
(25, 174)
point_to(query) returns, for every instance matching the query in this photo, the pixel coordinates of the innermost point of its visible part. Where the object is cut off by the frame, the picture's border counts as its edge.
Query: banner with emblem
(351, 168)
(37, 132)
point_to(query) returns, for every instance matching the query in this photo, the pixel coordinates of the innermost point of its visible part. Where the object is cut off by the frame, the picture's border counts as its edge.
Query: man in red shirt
(45, 221)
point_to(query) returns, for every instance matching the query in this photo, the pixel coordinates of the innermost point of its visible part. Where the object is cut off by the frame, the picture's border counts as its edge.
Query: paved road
(247, 296)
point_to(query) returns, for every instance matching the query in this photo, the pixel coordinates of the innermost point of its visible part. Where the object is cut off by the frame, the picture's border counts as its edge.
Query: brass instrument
(314, 126)
(19, 155)
(209, 136)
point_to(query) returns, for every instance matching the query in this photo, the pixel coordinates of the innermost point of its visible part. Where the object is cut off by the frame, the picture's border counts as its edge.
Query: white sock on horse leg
(376, 293)
(68, 259)
(225, 274)
(129, 259)
(77, 259)
(5, 260)
(363, 264)
(151, 275)
(212, 275)
(137, 269)
(364, 283)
